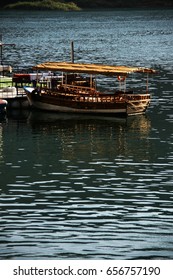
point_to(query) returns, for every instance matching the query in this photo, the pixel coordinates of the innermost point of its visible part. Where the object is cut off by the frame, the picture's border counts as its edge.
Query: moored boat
(15, 96)
(68, 91)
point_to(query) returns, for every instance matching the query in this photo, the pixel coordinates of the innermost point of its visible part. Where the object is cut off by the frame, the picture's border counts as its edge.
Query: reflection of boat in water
(43, 119)
(75, 136)
(38, 116)
(16, 114)
(87, 134)
(79, 96)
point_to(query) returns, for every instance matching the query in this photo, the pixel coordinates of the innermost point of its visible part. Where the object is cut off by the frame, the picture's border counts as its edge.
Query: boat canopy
(108, 70)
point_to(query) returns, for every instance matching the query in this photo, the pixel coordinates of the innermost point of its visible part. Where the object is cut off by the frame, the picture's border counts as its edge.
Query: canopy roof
(108, 70)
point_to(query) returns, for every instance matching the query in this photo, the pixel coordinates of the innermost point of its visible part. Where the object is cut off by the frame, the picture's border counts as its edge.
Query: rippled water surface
(89, 187)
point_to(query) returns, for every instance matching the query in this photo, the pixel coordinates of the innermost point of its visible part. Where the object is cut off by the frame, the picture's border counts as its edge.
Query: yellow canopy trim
(91, 68)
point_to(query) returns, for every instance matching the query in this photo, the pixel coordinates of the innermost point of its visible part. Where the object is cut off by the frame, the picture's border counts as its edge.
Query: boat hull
(85, 104)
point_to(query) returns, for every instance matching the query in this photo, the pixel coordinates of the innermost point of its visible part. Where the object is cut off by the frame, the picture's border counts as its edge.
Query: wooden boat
(72, 93)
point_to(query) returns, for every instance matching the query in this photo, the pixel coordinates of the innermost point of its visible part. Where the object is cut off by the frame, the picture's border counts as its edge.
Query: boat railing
(136, 96)
(79, 89)
(89, 94)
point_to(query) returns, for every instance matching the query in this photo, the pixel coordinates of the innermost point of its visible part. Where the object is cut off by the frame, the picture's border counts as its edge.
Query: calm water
(85, 187)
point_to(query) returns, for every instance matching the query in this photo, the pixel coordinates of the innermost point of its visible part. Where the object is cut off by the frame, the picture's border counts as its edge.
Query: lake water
(89, 187)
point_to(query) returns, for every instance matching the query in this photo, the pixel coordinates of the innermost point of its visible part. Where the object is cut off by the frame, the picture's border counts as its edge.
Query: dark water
(85, 187)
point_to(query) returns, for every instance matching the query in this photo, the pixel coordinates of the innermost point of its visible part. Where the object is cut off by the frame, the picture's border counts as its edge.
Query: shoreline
(53, 5)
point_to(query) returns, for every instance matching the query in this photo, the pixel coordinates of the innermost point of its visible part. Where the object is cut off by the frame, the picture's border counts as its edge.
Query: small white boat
(15, 97)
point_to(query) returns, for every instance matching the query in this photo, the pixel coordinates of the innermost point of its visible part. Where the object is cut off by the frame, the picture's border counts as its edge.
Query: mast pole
(72, 52)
